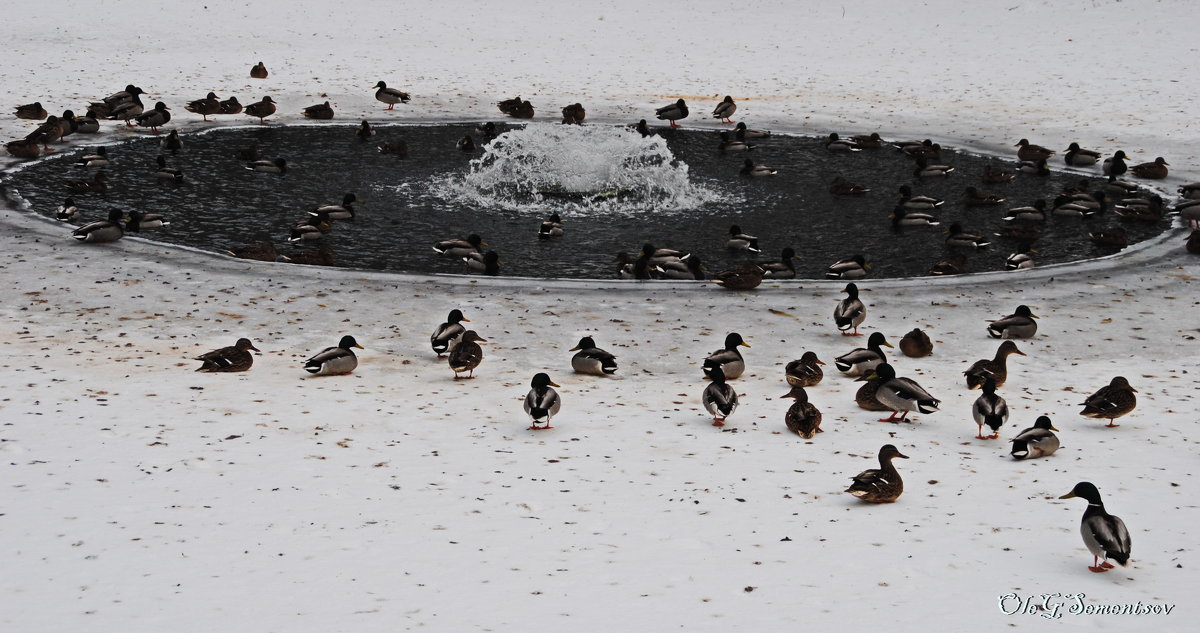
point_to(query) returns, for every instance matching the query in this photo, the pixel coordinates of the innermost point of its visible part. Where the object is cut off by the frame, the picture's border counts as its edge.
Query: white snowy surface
(138, 495)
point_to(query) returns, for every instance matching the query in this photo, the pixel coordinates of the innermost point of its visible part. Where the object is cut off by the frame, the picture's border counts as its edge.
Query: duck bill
(901, 455)
(744, 344)
(886, 344)
(359, 347)
(820, 362)
(1052, 428)
(575, 349)
(554, 384)
(1069, 495)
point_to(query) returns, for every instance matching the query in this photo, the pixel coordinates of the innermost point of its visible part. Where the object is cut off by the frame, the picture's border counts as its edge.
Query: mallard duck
(94, 184)
(258, 71)
(261, 109)
(926, 148)
(1153, 171)
(1149, 209)
(542, 402)
(258, 251)
(1103, 534)
(842, 187)
(1034, 167)
(467, 355)
(1115, 166)
(488, 131)
(163, 172)
(551, 227)
(835, 143)
(155, 118)
(995, 368)
(871, 141)
(916, 202)
(1193, 242)
(1032, 152)
(460, 248)
(127, 111)
(860, 361)
(741, 132)
(590, 359)
(466, 145)
(139, 221)
(334, 361)
(731, 144)
(924, 169)
(903, 217)
(314, 227)
(973, 197)
(32, 111)
(902, 145)
(320, 111)
(1036, 441)
(955, 264)
(574, 114)
(206, 106)
(234, 358)
(67, 211)
(172, 143)
(916, 344)
(883, 485)
(804, 372)
(720, 398)
(509, 106)
(322, 256)
(1021, 259)
(958, 236)
(850, 312)
(1111, 401)
(673, 112)
(728, 359)
(1079, 157)
(725, 110)
(865, 396)
(641, 127)
(657, 256)
(98, 159)
(47, 132)
(802, 418)
(26, 147)
(524, 110)
(1081, 207)
(396, 148)
(747, 276)
(740, 241)
(273, 166)
(343, 211)
(1020, 324)
(997, 175)
(365, 132)
(902, 394)
(230, 106)
(105, 106)
(785, 268)
(629, 267)
(447, 335)
(67, 125)
(1189, 212)
(87, 124)
(1110, 236)
(486, 263)
(1030, 213)
(1190, 191)
(989, 409)
(851, 268)
(689, 269)
(109, 230)
(756, 171)
(1119, 187)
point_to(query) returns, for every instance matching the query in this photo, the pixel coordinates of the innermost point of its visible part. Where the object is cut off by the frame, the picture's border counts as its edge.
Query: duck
(629, 267)
(155, 118)
(1020, 260)
(957, 236)
(542, 402)
(719, 397)
(396, 148)
(87, 124)
(272, 166)
(902, 395)
(107, 105)
(1115, 166)
(1104, 534)
(365, 131)
(741, 132)
(551, 227)
(236, 357)
(460, 248)
(756, 171)
(334, 361)
(804, 372)
(989, 409)
(466, 144)
(314, 227)
(672, 113)
(1110, 236)
(659, 256)
(589, 359)
(917, 202)
(835, 143)
(1023, 232)
(486, 263)
(997, 175)
(94, 184)
(163, 172)
(320, 111)
(1034, 167)
(925, 170)
(1029, 213)
(1149, 209)
(206, 106)
(903, 217)
(322, 256)
(731, 144)
(802, 418)
(1189, 212)
(509, 106)
(842, 187)
(263, 251)
(67, 211)
(390, 96)
(861, 361)
(102, 231)
(850, 312)
(67, 125)
(574, 114)
(467, 355)
(447, 335)
(26, 147)
(1079, 157)
(1189, 191)
(1036, 441)
(747, 276)
(725, 110)
(524, 110)
(916, 344)
(343, 211)
(127, 111)
(690, 269)
(739, 241)
(926, 148)
(728, 359)
(1081, 207)
(172, 143)
(955, 264)
(868, 141)
(230, 106)
(139, 221)
(865, 396)
(882, 485)
(973, 197)
(1156, 170)
(261, 109)
(98, 159)
(47, 132)
(488, 131)
(1120, 187)
(903, 145)
(32, 111)
(641, 127)
(785, 268)
(258, 71)
(853, 267)
(1111, 401)
(1031, 152)
(995, 368)
(1019, 324)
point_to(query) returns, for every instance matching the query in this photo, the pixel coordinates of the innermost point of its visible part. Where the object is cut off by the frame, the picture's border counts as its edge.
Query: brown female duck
(995, 368)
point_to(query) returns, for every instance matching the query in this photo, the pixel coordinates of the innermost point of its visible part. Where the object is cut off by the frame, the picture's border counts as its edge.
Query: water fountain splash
(589, 170)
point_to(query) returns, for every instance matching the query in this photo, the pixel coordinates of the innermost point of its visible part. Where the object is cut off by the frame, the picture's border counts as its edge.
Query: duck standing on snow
(261, 109)
(333, 361)
(883, 485)
(206, 106)
(103, 231)
(448, 334)
(467, 355)
(1036, 441)
(728, 359)
(902, 394)
(155, 118)
(1111, 401)
(1020, 324)
(673, 112)
(995, 368)
(542, 402)
(589, 359)
(850, 312)
(989, 409)
(390, 96)
(804, 372)
(1103, 534)
(719, 398)
(916, 344)
(802, 418)
(230, 106)
(227, 359)
(860, 361)
(725, 109)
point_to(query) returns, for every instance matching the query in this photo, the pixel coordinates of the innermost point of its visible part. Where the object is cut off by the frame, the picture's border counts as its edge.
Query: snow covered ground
(139, 495)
